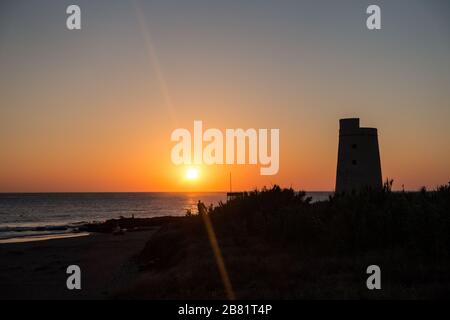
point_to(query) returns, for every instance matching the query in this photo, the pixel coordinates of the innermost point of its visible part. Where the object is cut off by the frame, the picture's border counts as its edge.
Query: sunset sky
(93, 110)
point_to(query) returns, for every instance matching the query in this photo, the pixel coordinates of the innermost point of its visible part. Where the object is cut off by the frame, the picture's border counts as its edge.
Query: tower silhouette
(358, 163)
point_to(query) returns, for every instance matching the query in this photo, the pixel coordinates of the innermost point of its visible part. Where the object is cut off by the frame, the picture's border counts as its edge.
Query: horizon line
(40, 192)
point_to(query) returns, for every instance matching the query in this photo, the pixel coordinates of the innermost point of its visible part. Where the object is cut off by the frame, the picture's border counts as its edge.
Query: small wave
(34, 238)
(34, 228)
(21, 232)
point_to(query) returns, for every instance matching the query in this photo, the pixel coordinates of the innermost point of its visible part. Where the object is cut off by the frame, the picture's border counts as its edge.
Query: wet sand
(37, 270)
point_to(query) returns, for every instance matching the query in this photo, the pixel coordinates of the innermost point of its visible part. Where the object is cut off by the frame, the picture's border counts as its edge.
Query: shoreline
(44, 237)
(44, 233)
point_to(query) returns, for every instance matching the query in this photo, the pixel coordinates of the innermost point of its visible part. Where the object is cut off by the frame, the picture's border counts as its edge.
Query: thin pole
(230, 183)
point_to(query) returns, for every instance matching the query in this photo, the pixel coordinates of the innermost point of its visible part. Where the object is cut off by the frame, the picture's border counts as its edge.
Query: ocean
(36, 214)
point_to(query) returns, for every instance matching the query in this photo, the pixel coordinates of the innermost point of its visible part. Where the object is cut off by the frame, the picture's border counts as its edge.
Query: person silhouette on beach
(201, 208)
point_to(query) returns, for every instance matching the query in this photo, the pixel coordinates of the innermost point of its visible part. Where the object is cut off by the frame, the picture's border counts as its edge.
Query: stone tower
(358, 157)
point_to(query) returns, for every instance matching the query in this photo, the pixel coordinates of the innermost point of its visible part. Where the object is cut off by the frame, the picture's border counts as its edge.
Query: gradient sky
(93, 110)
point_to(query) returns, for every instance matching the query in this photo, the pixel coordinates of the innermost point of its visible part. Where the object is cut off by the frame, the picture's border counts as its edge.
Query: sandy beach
(37, 270)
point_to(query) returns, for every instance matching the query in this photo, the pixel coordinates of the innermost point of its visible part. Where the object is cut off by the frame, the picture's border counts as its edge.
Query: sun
(192, 174)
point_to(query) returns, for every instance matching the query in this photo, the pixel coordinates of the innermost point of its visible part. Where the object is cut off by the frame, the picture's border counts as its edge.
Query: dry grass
(277, 245)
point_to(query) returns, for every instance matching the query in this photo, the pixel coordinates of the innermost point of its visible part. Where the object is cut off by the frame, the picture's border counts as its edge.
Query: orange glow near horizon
(135, 160)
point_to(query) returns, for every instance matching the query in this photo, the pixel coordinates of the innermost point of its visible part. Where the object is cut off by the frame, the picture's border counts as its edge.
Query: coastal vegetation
(276, 243)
